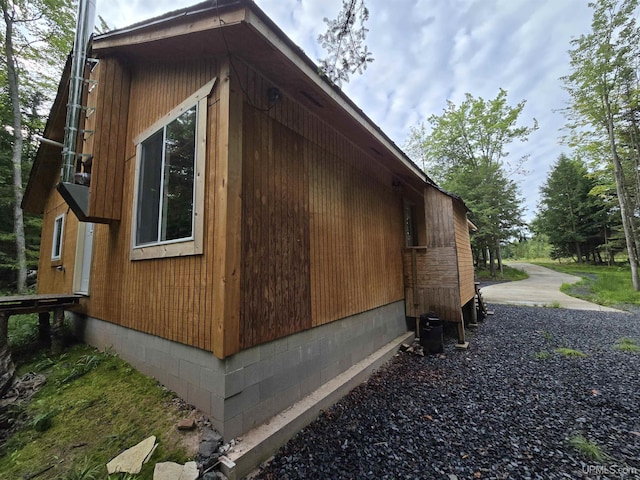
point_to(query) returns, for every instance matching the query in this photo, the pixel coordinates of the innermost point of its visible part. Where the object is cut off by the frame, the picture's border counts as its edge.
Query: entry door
(83, 257)
(410, 233)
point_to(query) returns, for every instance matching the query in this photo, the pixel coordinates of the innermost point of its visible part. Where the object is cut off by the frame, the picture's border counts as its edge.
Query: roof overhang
(240, 29)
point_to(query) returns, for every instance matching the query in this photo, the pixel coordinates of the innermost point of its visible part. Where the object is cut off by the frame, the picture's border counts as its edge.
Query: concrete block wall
(243, 391)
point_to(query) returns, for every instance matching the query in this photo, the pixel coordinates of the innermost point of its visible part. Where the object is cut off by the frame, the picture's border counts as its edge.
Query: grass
(601, 284)
(510, 274)
(570, 352)
(628, 345)
(542, 355)
(588, 449)
(93, 406)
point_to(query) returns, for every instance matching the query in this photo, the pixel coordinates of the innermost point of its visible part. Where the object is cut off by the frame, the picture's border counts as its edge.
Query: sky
(429, 51)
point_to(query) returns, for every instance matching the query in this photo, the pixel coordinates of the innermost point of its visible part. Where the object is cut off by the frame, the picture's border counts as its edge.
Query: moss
(92, 407)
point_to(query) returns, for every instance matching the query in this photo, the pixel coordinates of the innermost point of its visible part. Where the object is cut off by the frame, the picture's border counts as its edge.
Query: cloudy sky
(429, 51)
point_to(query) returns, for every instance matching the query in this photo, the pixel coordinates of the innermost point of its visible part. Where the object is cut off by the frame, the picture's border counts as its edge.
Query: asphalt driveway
(542, 288)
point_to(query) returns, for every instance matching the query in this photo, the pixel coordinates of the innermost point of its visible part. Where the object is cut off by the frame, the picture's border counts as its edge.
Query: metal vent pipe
(84, 28)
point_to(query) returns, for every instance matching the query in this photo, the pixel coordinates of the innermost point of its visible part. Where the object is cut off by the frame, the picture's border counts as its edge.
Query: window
(58, 231)
(169, 195)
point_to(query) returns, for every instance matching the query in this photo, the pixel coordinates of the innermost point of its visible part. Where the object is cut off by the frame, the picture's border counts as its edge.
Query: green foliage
(465, 151)
(628, 345)
(604, 90)
(510, 274)
(40, 35)
(601, 284)
(542, 355)
(570, 352)
(109, 408)
(344, 42)
(22, 330)
(589, 449)
(575, 221)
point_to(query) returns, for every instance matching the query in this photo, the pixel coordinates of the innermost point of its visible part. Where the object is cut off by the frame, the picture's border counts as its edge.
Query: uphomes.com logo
(611, 470)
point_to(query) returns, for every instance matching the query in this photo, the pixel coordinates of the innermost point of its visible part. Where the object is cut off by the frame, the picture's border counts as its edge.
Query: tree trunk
(492, 265)
(499, 255)
(578, 252)
(16, 156)
(622, 198)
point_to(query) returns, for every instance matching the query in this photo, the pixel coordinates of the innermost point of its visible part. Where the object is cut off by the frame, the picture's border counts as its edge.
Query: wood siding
(170, 297)
(431, 279)
(465, 257)
(322, 231)
(57, 276)
(110, 98)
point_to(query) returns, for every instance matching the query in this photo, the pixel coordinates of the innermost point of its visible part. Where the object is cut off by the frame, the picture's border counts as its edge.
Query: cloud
(430, 51)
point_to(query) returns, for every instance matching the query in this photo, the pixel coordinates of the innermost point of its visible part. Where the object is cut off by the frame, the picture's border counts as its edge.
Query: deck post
(57, 341)
(44, 328)
(7, 368)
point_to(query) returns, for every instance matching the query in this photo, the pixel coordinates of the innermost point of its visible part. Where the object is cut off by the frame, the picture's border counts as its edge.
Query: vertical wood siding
(322, 231)
(169, 297)
(432, 282)
(110, 98)
(465, 257)
(52, 279)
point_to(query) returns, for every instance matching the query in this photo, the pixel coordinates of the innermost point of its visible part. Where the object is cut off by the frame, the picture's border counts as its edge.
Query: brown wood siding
(432, 282)
(465, 257)
(322, 230)
(52, 279)
(110, 98)
(169, 297)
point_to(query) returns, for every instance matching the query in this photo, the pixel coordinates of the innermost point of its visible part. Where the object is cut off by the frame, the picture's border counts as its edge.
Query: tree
(36, 39)
(573, 219)
(344, 42)
(603, 62)
(465, 151)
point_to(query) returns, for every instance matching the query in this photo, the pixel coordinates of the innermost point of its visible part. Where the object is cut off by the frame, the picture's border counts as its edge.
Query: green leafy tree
(573, 219)
(603, 68)
(465, 151)
(37, 37)
(344, 41)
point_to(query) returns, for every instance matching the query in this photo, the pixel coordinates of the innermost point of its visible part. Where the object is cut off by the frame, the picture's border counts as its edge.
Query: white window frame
(58, 232)
(194, 244)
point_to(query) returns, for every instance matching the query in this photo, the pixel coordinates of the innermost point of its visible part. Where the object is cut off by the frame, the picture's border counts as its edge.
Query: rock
(187, 424)
(210, 435)
(175, 471)
(131, 460)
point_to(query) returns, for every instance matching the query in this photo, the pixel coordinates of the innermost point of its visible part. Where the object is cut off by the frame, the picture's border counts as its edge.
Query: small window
(169, 194)
(58, 232)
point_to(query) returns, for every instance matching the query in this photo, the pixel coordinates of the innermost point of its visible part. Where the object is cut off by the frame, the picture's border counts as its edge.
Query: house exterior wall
(322, 226)
(465, 257)
(431, 278)
(57, 276)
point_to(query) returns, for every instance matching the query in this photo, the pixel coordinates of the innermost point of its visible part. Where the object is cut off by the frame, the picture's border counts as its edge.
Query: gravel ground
(496, 410)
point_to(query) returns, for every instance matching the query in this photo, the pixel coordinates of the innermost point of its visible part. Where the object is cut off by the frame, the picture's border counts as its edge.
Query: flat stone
(175, 471)
(187, 424)
(131, 460)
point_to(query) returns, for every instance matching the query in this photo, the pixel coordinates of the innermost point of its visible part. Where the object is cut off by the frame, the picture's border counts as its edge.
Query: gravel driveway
(501, 409)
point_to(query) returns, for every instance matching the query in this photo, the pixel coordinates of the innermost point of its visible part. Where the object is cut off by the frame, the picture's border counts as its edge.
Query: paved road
(542, 288)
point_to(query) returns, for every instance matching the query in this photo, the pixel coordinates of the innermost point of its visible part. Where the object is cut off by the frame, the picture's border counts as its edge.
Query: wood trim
(153, 33)
(192, 246)
(227, 218)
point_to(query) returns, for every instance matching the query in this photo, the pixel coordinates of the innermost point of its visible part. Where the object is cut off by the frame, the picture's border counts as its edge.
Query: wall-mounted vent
(311, 99)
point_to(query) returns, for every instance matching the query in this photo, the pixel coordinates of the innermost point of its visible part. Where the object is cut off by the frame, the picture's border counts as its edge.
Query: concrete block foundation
(243, 391)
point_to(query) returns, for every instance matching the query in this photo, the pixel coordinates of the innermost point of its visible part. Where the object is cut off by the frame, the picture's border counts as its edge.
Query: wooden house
(247, 233)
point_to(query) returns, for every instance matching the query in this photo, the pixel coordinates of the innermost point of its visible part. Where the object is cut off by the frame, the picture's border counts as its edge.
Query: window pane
(179, 167)
(57, 238)
(149, 189)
